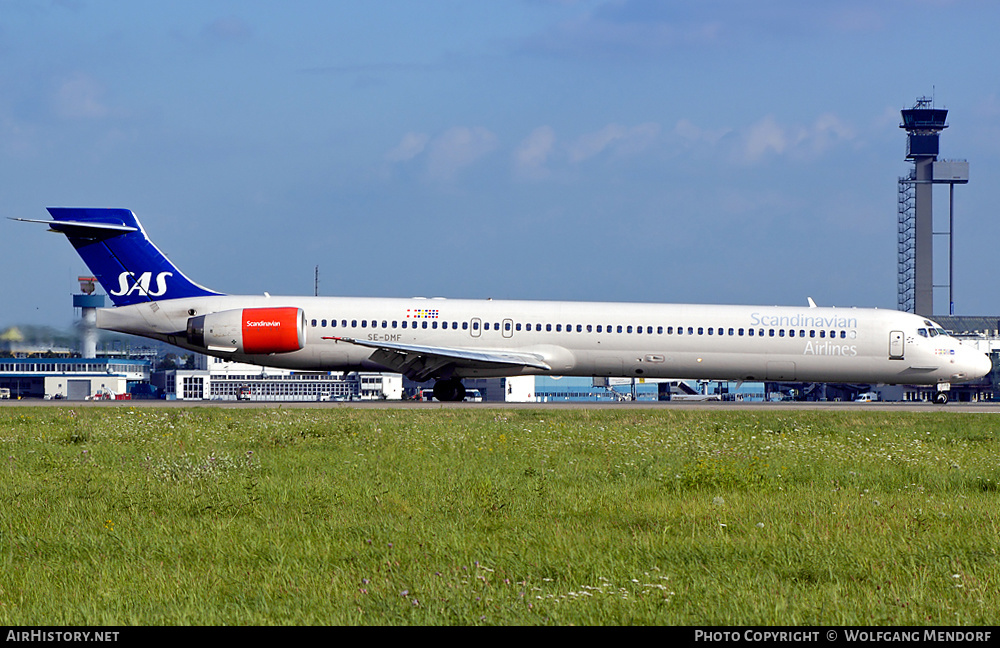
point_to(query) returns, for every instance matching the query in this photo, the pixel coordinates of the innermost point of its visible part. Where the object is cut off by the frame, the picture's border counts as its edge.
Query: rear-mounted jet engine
(249, 331)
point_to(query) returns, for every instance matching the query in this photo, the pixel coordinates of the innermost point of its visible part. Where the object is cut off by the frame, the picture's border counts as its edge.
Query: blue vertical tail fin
(116, 249)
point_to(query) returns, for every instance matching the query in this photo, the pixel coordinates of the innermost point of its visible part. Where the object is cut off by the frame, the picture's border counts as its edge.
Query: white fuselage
(683, 341)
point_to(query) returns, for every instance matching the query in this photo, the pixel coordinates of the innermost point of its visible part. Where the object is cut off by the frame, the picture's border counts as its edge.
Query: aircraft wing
(419, 363)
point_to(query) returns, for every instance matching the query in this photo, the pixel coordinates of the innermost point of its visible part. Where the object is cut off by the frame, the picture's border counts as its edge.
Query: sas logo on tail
(128, 284)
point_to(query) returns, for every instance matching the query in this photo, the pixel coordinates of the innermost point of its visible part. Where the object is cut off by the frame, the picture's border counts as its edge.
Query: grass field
(142, 515)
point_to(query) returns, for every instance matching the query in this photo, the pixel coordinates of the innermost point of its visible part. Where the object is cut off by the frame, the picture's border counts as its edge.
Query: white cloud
(614, 138)
(768, 137)
(638, 139)
(80, 97)
(409, 147)
(763, 137)
(456, 149)
(694, 134)
(827, 130)
(446, 154)
(533, 153)
(591, 144)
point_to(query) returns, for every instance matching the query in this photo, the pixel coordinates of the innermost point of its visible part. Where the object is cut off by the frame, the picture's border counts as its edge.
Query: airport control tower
(88, 302)
(923, 124)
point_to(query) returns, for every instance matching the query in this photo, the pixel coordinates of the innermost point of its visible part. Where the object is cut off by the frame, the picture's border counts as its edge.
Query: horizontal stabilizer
(64, 226)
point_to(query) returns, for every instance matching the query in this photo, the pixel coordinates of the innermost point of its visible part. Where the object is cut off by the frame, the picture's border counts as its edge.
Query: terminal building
(219, 379)
(557, 389)
(72, 378)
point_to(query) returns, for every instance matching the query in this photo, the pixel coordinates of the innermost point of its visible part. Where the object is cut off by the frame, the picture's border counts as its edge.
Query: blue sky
(618, 150)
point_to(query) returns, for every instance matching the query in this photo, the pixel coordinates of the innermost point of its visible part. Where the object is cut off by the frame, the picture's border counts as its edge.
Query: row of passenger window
(508, 326)
(432, 324)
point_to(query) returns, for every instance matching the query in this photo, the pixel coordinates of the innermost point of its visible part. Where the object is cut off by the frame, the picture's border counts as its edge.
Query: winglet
(812, 304)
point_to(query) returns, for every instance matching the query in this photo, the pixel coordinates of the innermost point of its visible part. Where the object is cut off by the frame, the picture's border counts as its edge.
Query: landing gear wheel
(941, 398)
(451, 390)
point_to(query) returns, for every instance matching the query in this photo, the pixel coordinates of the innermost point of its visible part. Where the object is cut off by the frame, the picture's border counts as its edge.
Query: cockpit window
(933, 332)
(922, 332)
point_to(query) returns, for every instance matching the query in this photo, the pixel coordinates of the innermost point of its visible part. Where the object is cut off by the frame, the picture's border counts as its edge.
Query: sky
(611, 150)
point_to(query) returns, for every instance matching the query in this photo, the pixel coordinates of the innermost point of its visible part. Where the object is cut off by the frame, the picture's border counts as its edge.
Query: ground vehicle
(867, 397)
(471, 395)
(4, 393)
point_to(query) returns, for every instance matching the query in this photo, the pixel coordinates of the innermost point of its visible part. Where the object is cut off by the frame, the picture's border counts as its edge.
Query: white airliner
(447, 340)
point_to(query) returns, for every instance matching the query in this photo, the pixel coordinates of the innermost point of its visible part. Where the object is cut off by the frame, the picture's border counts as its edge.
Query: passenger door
(895, 345)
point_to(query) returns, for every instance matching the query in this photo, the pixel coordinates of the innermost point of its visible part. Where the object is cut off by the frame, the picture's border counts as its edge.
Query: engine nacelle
(249, 330)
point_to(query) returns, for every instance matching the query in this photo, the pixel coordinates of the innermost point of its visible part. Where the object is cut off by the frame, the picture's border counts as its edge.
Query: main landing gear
(450, 390)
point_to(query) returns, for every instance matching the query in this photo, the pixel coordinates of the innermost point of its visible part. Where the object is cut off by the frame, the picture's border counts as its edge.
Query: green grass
(153, 516)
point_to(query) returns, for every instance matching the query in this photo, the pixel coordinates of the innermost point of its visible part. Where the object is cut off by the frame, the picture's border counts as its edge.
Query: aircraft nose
(983, 365)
